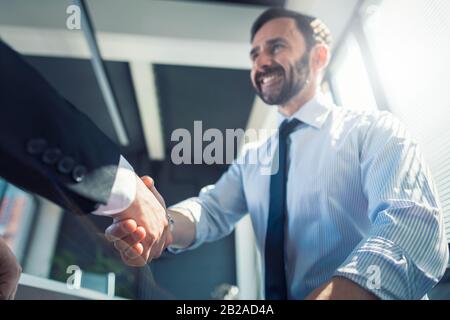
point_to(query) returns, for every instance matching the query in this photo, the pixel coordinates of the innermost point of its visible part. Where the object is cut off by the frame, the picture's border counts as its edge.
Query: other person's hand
(10, 271)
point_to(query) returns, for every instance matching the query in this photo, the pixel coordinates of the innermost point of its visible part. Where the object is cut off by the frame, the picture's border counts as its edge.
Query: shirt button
(78, 173)
(66, 165)
(51, 156)
(36, 146)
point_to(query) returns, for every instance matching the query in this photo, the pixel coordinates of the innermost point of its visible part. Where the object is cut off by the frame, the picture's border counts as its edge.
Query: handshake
(141, 232)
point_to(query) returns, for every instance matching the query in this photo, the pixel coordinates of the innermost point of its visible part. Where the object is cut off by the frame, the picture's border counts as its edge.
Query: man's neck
(293, 105)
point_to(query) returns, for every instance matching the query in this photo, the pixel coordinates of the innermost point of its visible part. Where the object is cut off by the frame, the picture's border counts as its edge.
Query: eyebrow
(268, 42)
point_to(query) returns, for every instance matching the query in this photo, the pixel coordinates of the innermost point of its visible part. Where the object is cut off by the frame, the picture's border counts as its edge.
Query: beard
(292, 84)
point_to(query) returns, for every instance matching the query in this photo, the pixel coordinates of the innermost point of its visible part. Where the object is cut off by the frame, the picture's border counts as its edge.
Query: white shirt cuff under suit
(123, 191)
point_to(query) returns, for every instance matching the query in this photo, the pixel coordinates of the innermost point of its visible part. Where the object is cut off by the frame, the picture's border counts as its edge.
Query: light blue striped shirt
(360, 204)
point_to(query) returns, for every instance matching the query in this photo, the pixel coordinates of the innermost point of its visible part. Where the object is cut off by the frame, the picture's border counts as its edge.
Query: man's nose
(263, 61)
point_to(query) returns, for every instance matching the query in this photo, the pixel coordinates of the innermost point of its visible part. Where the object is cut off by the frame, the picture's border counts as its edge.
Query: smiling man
(351, 212)
(278, 80)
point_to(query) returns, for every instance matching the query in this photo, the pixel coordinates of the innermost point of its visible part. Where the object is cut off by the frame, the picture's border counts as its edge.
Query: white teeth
(270, 78)
(267, 79)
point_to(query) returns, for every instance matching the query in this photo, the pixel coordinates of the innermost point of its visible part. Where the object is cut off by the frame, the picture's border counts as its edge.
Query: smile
(270, 79)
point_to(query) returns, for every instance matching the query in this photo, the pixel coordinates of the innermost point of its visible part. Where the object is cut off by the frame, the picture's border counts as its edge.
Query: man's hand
(141, 232)
(340, 288)
(9, 272)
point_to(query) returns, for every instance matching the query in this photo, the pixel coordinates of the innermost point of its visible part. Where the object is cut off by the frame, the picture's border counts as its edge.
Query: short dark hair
(313, 30)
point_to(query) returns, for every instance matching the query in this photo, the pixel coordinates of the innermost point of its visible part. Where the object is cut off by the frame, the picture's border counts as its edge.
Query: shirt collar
(314, 113)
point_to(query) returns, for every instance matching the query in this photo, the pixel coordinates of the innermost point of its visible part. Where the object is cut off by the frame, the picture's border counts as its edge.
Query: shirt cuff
(383, 268)
(193, 208)
(123, 191)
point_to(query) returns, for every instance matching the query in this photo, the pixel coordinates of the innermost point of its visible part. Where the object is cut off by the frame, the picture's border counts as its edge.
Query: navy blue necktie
(275, 277)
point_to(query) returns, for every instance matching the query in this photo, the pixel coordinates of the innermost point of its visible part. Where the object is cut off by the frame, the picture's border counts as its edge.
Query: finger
(148, 242)
(134, 251)
(130, 240)
(120, 229)
(136, 237)
(123, 248)
(120, 245)
(148, 181)
(158, 248)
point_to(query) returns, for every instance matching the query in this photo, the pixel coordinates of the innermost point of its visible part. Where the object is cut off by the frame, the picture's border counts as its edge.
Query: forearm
(183, 229)
(340, 288)
(395, 262)
(55, 150)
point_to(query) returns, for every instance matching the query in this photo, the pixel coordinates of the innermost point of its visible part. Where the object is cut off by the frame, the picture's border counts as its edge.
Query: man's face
(280, 61)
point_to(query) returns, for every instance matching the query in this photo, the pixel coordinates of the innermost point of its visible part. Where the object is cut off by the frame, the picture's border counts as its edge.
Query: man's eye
(277, 47)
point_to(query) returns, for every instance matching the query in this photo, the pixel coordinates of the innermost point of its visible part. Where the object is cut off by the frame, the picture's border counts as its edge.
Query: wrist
(170, 220)
(183, 231)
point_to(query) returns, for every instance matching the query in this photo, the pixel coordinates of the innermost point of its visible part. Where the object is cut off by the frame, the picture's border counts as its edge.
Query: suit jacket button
(78, 173)
(36, 146)
(66, 165)
(51, 156)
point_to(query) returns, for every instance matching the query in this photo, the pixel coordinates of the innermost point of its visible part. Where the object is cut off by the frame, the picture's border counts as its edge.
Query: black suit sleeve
(47, 146)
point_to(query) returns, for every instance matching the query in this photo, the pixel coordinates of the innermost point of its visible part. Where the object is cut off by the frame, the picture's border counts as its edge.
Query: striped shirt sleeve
(392, 262)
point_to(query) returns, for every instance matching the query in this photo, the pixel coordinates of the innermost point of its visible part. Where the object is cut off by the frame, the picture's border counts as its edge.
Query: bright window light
(350, 79)
(410, 42)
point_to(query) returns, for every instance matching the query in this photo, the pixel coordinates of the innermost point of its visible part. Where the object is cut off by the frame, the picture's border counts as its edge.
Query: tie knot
(287, 127)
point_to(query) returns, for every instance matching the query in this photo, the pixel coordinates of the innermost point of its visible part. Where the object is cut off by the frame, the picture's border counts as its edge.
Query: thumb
(150, 184)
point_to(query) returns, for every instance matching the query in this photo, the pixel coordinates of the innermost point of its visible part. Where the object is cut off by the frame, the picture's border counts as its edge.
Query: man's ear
(320, 57)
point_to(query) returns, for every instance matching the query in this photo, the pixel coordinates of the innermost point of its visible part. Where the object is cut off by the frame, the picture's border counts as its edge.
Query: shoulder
(370, 122)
